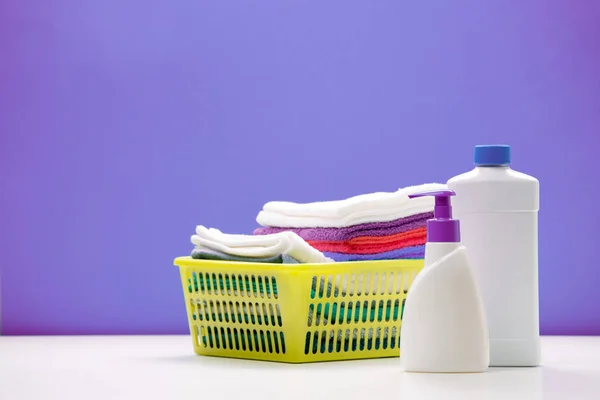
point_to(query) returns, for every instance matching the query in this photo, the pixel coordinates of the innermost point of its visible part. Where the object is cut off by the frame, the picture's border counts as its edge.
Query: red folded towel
(373, 244)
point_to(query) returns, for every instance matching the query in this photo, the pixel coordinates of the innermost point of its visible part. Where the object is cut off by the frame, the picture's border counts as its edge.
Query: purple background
(126, 123)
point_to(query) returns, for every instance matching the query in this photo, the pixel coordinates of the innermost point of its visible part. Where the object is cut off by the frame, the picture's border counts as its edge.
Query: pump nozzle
(442, 228)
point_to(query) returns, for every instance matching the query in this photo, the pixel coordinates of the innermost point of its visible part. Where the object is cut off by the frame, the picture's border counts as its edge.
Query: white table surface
(165, 367)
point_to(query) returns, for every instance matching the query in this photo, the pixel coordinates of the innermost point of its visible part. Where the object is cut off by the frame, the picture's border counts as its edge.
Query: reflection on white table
(165, 368)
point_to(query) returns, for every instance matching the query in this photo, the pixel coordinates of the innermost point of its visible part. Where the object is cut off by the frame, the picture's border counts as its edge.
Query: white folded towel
(372, 207)
(258, 246)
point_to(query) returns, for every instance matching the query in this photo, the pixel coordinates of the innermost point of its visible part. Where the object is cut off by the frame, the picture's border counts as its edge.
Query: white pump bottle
(444, 328)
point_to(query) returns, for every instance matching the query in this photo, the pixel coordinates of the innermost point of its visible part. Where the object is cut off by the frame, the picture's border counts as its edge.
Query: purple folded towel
(349, 232)
(407, 253)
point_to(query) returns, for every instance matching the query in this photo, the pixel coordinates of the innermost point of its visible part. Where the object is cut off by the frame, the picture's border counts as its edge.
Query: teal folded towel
(208, 254)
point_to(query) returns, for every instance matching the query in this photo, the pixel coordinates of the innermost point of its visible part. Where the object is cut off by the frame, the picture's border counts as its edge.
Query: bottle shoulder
(497, 175)
(453, 269)
(484, 190)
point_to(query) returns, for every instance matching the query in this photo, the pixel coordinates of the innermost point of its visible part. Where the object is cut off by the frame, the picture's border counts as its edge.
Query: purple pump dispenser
(442, 228)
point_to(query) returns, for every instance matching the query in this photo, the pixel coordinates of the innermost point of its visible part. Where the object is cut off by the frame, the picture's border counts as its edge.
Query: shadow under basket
(296, 313)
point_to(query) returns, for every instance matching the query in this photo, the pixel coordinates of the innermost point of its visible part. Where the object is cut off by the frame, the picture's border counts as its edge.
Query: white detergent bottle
(444, 325)
(498, 211)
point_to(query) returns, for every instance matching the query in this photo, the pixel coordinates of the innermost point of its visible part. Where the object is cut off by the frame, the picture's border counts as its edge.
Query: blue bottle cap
(492, 155)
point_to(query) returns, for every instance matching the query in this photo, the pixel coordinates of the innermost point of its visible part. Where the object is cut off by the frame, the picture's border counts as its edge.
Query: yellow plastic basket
(296, 313)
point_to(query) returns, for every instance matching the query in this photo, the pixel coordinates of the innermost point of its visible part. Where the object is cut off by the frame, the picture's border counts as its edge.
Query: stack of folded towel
(281, 248)
(374, 226)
